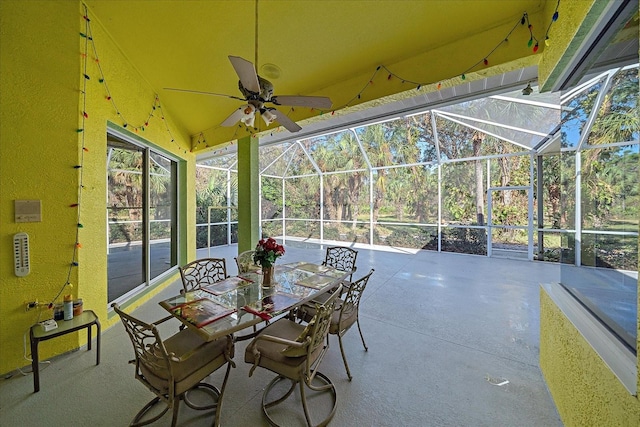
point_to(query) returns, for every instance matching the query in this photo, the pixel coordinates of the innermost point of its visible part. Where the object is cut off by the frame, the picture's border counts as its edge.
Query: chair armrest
(163, 320)
(283, 340)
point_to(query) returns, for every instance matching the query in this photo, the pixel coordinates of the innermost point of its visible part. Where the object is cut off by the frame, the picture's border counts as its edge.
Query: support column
(248, 194)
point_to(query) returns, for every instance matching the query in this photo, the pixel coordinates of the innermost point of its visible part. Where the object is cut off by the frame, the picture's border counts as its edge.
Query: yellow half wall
(583, 387)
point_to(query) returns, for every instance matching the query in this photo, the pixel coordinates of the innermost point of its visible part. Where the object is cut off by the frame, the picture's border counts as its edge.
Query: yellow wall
(565, 39)
(584, 389)
(40, 110)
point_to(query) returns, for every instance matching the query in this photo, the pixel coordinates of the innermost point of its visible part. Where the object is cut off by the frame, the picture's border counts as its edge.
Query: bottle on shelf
(68, 307)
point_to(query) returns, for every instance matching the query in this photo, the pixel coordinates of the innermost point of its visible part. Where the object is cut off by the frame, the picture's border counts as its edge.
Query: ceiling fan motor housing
(266, 91)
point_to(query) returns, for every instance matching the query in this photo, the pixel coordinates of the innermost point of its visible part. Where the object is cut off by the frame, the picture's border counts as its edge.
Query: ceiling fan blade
(233, 118)
(302, 101)
(246, 73)
(203, 93)
(285, 121)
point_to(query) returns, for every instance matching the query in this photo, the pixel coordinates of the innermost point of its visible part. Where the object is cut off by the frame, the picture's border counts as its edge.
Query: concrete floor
(453, 341)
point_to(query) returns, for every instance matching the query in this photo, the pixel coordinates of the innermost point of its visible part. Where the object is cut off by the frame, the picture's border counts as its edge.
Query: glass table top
(239, 302)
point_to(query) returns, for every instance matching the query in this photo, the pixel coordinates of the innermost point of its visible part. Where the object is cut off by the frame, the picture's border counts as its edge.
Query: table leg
(97, 342)
(89, 337)
(34, 363)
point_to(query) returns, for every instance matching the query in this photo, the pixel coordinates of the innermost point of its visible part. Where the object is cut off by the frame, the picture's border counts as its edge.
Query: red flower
(267, 251)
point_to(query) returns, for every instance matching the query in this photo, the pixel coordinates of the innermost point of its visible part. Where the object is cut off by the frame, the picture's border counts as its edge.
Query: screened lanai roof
(520, 121)
(523, 120)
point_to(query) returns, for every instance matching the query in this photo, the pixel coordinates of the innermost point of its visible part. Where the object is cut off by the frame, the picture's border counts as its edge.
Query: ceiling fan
(257, 92)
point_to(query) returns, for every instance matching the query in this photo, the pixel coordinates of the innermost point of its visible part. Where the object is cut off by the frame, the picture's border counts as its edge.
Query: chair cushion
(271, 354)
(292, 351)
(206, 358)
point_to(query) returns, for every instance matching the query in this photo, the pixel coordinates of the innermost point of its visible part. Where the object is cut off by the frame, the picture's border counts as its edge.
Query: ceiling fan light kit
(268, 117)
(248, 114)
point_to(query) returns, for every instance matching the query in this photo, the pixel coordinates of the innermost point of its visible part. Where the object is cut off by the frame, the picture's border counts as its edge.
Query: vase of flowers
(266, 254)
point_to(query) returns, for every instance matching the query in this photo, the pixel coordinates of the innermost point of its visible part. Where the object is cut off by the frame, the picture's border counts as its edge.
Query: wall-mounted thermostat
(21, 254)
(28, 211)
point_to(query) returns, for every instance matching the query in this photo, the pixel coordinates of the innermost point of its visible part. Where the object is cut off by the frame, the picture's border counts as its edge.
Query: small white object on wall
(28, 210)
(21, 261)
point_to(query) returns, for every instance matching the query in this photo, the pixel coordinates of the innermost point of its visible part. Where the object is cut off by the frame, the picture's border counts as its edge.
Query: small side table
(37, 334)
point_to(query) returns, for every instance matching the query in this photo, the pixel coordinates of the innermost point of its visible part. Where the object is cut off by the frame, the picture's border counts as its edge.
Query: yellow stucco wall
(584, 389)
(564, 39)
(40, 110)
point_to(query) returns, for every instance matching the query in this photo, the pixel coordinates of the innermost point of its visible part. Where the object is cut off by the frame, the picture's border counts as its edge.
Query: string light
(554, 18)
(532, 38)
(524, 19)
(156, 103)
(80, 131)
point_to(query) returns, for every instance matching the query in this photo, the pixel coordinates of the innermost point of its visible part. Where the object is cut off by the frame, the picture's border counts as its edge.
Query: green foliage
(411, 237)
(204, 199)
(464, 240)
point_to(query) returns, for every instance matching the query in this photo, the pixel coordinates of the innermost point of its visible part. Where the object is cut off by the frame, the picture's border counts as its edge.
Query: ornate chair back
(202, 272)
(245, 262)
(350, 305)
(342, 258)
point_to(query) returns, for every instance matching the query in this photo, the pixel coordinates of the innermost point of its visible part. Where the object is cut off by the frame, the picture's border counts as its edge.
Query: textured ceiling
(328, 48)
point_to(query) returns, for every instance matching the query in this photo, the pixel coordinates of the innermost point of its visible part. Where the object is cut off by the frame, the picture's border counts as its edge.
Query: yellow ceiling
(327, 48)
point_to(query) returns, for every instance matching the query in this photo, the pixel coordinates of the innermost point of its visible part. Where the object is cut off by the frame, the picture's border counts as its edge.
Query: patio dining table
(240, 302)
